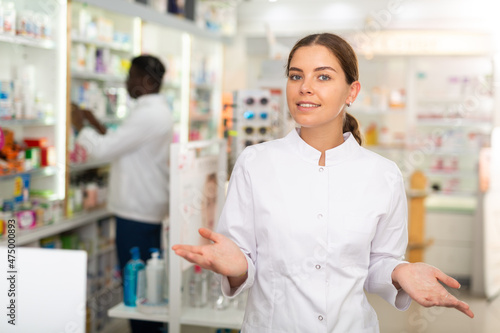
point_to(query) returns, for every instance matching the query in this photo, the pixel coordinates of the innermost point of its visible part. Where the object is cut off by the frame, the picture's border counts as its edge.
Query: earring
(349, 104)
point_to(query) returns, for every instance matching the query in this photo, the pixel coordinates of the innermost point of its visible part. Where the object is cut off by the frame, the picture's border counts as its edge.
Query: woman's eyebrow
(323, 68)
(318, 69)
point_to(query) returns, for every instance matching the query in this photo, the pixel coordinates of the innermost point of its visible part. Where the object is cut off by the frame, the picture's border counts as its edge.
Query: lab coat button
(318, 266)
(320, 216)
(320, 318)
(321, 169)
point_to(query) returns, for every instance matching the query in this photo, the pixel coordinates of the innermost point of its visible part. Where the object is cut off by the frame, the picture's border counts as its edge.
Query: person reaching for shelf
(138, 151)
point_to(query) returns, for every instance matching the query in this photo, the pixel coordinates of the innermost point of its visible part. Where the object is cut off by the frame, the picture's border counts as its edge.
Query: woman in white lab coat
(313, 219)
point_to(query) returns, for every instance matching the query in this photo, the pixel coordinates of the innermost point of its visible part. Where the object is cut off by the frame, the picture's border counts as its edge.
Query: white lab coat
(315, 236)
(138, 151)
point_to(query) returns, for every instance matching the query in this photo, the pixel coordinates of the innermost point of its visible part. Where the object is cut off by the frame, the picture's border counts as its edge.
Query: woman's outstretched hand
(421, 283)
(223, 256)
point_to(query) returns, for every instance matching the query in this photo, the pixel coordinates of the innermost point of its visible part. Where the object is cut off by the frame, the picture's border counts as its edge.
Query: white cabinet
(452, 236)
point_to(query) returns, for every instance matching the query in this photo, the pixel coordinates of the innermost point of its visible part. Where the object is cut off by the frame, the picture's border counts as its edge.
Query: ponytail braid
(351, 125)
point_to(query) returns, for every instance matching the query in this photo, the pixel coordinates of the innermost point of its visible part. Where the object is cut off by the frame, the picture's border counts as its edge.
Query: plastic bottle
(1, 17)
(9, 18)
(217, 299)
(198, 288)
(155, 273)
(134, 282)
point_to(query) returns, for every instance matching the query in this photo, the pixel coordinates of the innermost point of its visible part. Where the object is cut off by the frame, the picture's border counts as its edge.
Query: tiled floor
(418, 319)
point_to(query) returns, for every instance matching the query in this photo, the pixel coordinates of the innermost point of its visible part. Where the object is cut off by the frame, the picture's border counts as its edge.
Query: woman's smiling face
(316, 89)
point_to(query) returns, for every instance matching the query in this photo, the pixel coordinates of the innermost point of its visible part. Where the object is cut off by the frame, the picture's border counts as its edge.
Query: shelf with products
(174, 56)
(375, 111)
(32, 117)
(206, 317)
(84, 75)
(48, 121)
(150, 15)
(229, 318)
(455, 122)
(102, 46)
(37, 172)
(24, 237)
(27, 41)
(124, 45)
(205, 94)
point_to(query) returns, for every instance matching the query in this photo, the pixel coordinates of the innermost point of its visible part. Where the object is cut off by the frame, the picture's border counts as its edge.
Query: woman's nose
(306, 87)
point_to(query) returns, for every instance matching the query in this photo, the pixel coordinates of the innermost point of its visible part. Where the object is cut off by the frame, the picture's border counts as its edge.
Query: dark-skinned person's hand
(94, 122)
(422, 283)
(77, 117)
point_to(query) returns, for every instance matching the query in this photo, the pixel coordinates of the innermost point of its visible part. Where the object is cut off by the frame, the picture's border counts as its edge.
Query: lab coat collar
(334, 156)
(148, 98)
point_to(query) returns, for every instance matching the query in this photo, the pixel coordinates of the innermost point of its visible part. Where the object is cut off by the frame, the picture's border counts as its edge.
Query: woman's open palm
(422, 282)
(223, 256)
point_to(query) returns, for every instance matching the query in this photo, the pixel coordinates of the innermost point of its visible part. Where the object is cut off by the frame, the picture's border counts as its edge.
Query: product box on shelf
(2, 223)
(26, 219)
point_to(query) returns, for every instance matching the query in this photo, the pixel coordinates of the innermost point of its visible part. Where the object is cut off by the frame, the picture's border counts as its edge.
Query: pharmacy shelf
(116, 325)
(86, 166)
(106, 250)
(444, 203)
(170, 85)
(24, 237)
(372, 111)
(127, 312)
(398, 147)
(445, 173)
(82, 75)
(454, 122)
(203, 86)
(150, 15)
(27, 122)
(207, 317)
(39, 172)
(115, 46)
(27, 41)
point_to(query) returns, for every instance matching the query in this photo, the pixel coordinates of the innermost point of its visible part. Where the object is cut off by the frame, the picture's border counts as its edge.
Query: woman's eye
(324, 77)
(294, 77)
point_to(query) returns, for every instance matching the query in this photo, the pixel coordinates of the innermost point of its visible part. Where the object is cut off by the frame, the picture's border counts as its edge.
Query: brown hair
(348, 62)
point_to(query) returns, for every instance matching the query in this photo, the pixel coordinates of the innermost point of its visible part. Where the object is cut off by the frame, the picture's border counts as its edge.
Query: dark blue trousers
(130, 233)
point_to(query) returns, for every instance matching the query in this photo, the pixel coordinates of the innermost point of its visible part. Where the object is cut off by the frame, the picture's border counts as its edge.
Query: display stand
(192, 164)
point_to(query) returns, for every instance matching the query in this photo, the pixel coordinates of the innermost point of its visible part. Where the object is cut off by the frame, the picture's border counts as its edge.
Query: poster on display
(197, 190)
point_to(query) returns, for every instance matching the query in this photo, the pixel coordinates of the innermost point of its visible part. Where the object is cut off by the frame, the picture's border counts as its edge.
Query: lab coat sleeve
(129, 136)
(237, 221)
(389, 245)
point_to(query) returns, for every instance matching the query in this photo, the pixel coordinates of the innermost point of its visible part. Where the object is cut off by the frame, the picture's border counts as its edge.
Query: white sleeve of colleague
(237, 222)
(389, 245)
(129, 136)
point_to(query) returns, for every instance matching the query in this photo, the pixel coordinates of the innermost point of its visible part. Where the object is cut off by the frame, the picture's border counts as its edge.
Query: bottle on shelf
(155, 276)
(134, 281)
(217, 299)
(198, 288)
(371, 135)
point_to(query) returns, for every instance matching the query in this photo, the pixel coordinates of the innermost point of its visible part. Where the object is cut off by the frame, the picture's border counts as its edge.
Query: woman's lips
(307, 106)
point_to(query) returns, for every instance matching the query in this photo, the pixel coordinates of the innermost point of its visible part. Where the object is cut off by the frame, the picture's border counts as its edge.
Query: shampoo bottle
(155, 274)
(134, 282)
